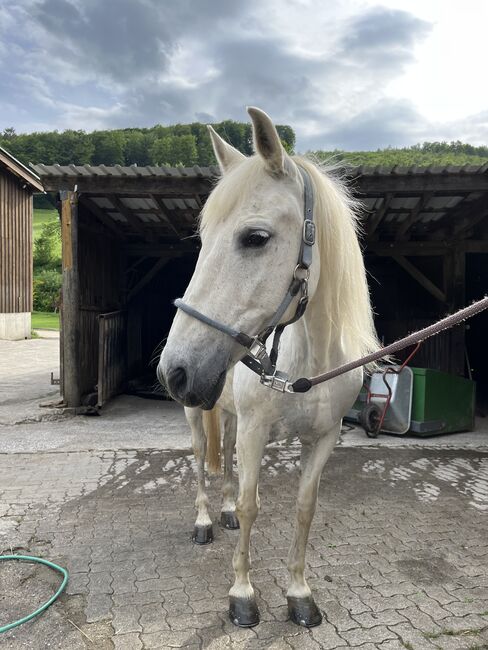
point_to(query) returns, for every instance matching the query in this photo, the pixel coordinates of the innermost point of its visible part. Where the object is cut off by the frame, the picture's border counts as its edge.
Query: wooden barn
(17, 184)
(129, 249)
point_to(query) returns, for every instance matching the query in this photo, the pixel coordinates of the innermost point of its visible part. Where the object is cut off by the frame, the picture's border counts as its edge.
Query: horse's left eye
(255, 239)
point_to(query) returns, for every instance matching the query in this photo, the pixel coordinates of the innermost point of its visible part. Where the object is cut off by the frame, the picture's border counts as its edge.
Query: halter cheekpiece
(257, 357)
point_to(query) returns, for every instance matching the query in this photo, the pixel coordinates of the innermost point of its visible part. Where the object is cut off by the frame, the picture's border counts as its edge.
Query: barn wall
(15, 256)
(101, 278)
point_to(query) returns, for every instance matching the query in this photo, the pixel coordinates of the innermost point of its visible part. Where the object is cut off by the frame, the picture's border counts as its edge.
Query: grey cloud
(386, 123)
(104, 64)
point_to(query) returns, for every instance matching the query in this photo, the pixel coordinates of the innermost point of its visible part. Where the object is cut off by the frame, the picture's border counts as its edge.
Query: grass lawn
(41, 217)
(45, 320)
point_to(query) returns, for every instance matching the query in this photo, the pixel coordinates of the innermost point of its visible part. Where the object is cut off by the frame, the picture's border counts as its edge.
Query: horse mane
(343, 287)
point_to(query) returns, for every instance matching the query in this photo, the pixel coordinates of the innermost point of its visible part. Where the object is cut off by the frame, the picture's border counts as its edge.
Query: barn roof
(15, 167)
(400, 204)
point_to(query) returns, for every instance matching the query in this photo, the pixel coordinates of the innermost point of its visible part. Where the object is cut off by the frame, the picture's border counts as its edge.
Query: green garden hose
(42, 608)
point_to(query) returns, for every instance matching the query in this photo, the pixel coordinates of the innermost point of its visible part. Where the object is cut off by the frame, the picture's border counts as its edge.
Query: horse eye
(255, 239)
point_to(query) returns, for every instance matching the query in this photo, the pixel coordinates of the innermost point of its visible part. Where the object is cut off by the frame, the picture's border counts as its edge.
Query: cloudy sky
(352, 74)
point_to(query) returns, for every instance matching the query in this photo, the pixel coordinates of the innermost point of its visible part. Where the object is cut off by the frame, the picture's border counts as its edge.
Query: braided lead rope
(411, 339)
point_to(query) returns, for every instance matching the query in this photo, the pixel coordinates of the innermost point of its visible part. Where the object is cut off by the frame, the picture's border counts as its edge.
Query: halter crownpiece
(257, 358)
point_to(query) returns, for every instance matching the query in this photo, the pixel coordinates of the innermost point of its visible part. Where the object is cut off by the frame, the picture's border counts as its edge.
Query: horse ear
(267, 141)
(225, 153)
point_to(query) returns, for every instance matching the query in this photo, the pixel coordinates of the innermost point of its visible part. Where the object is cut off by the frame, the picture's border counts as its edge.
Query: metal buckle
(258, 350)
(308, 232)
(278, 381)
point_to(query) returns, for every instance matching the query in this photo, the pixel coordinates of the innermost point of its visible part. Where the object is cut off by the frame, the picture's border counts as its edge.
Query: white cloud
(354, 74)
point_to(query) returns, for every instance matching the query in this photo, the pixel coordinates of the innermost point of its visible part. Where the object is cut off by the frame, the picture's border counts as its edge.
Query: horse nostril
(178, 380)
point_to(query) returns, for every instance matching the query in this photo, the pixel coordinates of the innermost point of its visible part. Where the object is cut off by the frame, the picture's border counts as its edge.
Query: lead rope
(304, 384)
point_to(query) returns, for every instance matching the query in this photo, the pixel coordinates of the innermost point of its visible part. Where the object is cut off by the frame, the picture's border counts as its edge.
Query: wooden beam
(455, 288)
(70, 300)
(132, 185)
(462, 218)
(170, 248)
(378, 215)
(148, 277)
(408, 248)
(100, 214)
(162, 212)
(409, 184)
(423, 280)
(404, 227)
(129, 215)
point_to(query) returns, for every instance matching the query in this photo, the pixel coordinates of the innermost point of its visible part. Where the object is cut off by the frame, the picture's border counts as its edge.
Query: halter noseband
(257, 358)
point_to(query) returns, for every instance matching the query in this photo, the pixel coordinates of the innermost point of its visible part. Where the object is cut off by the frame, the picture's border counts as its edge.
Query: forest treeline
(189, 144)
(427, 153)
(181, 144)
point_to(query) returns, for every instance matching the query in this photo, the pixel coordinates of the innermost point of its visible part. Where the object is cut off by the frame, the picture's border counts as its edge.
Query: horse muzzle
(196, 384)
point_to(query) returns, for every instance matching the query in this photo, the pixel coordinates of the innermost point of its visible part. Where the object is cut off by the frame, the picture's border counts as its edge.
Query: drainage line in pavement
(48, 603)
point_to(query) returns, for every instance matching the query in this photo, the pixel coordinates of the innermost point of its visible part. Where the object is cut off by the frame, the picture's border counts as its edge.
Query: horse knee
(247, 509)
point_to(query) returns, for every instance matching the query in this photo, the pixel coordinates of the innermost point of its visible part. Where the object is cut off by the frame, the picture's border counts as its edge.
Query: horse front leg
(243, 609)
(228, 517)
(301, 605)
(202, 532)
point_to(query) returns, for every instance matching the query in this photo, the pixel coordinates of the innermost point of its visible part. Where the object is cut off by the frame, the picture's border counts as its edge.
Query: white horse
(253, 232)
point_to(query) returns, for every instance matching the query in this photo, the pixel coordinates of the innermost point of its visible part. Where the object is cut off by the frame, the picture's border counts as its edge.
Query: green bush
(47, 290)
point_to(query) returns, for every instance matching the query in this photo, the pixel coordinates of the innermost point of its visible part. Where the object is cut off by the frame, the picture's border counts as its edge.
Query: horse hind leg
(203, 531)
(301, 604)
(228, 517)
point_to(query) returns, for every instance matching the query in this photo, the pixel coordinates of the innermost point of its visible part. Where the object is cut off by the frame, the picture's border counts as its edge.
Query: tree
(109, 147)
(174, 150)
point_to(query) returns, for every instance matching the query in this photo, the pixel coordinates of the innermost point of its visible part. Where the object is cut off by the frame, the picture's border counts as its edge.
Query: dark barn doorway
(129, 249)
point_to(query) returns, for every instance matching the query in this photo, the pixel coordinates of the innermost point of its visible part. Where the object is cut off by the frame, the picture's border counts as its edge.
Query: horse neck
(313, 342)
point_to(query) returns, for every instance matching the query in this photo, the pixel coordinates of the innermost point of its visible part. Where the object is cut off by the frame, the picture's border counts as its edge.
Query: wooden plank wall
(101, 277)
(15, 246)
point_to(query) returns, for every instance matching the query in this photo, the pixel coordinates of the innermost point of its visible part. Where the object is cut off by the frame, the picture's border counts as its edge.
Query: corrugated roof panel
(406, 202)
(116, 216)
(427, 217)
(437, 202)
(147, 217)
(103, 202)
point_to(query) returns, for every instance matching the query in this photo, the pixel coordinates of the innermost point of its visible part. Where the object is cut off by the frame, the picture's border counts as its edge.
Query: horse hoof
(203, 534)
(243, 612)
(304, 611)
(229, 520)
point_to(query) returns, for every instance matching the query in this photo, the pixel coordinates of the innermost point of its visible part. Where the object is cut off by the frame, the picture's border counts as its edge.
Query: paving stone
(374, 634)
(127, 642)
(153, 618)
(126, 619)
(327, 637)
(98, 607)
(166, 640)
(385, 617)
(410, 635)
(137, 578)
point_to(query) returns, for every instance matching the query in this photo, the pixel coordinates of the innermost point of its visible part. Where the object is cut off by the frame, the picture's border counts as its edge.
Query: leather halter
(257, 358)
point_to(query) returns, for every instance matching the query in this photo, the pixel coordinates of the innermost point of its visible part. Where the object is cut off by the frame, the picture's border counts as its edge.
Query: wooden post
(455, 289)
(71, 299)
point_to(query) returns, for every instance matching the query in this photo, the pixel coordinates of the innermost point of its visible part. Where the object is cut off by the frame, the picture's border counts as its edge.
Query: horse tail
(212, 428)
